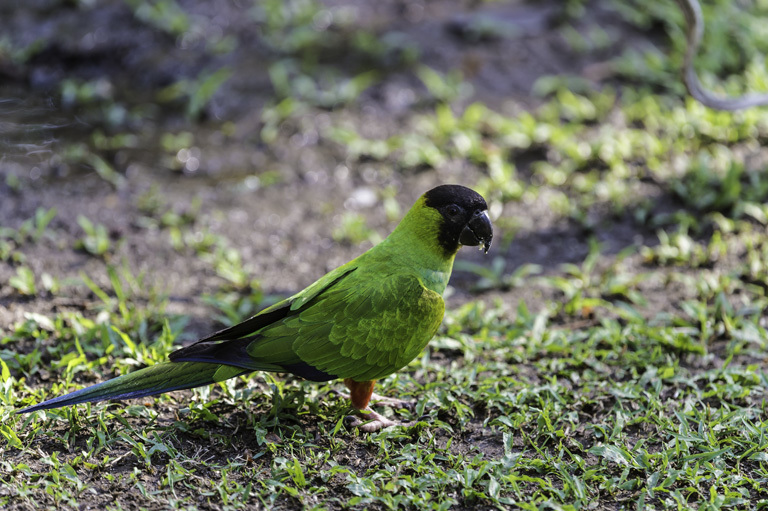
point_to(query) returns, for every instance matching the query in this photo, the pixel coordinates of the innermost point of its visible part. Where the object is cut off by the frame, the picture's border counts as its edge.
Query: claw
(361, 394)
(351, 421)
(393, 402)
(370, 421)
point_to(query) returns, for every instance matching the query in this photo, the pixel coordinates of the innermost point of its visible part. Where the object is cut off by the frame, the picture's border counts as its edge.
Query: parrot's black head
(465, 217)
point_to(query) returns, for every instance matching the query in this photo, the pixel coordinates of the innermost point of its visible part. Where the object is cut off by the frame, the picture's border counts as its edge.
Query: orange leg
(360, 393)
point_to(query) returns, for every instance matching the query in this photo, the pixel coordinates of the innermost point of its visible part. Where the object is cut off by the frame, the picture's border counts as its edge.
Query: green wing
(359, 321)
(281, 309)
(231, 346)
(364, 326)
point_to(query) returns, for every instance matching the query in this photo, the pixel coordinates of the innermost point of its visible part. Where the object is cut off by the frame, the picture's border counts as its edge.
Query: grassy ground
(608, 353)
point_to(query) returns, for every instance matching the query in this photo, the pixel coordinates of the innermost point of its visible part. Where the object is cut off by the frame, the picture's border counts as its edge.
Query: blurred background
(234, 150)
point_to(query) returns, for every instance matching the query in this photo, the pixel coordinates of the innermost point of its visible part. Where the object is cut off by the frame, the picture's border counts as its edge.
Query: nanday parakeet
(360, 322)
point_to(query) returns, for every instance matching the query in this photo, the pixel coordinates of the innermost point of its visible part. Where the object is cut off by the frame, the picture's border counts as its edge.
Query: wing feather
(378, 324)
(357, 322)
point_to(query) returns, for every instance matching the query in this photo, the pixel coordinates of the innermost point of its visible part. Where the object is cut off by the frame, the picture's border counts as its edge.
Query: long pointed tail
(151, 380)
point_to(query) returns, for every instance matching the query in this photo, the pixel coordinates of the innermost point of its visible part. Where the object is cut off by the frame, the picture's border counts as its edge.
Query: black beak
(478, 230)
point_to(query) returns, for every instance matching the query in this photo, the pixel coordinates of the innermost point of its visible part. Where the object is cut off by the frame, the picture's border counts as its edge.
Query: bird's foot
(369, 421)
(384, 400)
(393, 402)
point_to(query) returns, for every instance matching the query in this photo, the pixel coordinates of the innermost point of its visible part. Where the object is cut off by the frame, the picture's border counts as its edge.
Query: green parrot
(360, 322)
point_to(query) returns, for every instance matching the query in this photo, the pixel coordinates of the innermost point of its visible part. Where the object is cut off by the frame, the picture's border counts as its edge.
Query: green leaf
(10, 435)
(5, 373)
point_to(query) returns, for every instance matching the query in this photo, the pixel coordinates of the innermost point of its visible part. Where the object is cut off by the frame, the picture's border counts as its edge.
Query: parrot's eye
(453, 210)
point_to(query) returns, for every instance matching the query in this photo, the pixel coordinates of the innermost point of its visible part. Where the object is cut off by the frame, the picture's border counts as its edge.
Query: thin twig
(695, 22)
